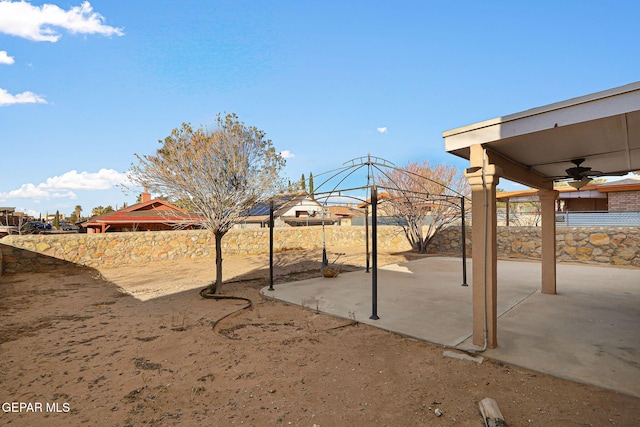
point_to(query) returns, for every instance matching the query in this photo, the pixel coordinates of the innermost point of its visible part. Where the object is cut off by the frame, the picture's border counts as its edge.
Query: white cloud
(72, 180)
(382, 130)
(21, 98)
(62, 186)
(286, 154)
(30, 191)
(38, 23)
(5, 58)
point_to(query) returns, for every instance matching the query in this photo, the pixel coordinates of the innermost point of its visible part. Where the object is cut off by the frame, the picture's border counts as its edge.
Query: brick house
(616, 196)
(622, 196)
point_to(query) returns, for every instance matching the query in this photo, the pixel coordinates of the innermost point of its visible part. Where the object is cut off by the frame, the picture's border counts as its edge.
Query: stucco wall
(609, 245)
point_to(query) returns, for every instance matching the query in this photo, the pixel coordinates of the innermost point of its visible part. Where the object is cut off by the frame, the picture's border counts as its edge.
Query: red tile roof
(151, 212)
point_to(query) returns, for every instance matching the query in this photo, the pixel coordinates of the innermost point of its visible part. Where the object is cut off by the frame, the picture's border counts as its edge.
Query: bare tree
(221, 173)
(424, 198)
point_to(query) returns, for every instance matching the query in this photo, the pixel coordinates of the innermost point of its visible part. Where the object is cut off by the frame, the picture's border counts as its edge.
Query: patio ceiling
(536, 146)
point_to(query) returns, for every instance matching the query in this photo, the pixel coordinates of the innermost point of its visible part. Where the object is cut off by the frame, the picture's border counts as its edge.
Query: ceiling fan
(579, 172)
(580, 175)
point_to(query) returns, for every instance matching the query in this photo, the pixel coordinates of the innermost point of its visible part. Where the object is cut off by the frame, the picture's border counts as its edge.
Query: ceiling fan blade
(599, 173)
(612, 173)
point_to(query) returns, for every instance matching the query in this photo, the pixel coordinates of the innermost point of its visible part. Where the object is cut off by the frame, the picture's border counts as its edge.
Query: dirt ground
(135, 346)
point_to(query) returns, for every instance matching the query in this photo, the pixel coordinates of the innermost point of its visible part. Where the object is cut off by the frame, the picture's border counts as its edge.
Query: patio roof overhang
(536, 146)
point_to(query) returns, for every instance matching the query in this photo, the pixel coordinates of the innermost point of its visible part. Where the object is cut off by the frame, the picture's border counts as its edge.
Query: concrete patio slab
(589, 332)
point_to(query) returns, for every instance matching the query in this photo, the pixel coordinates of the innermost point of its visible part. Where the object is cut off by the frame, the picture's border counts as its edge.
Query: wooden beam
(518, 173)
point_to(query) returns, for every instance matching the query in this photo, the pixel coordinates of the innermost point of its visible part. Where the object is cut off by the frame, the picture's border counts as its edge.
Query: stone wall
(609, 245)
(603, 245)
(46, 252)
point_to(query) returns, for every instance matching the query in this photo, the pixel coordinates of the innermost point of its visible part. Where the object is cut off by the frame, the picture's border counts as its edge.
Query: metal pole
(464, 244)
(325, 260)
(366, 233)
(271, 246)
(374, 244)
(508, 209)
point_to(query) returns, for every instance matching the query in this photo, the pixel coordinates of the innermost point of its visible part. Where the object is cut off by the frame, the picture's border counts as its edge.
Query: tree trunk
(418, 243)
(217, 285)
(424, 246)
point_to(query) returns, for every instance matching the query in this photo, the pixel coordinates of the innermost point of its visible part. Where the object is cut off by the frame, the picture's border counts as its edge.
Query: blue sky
(84, 86)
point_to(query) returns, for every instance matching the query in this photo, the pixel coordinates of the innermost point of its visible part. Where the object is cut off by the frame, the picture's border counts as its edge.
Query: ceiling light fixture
(578, 184)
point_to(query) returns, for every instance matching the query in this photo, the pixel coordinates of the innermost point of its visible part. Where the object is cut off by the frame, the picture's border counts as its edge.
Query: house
(9, 217)
(11, 221)
(623, 195)
(381, 197)
(289, 209)
(148, 215)
(50, 218)
(393, 210)
(524, 207)
(615, 196)
(607, 203)
(344, 215)
(6, 221)
(6, 214)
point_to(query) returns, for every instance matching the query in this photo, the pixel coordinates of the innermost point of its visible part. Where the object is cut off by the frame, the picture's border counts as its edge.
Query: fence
(359, 221)
(572, 218)
(598, 218)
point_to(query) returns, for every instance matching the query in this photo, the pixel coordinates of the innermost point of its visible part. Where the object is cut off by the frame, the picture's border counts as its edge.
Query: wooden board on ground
(491, 413)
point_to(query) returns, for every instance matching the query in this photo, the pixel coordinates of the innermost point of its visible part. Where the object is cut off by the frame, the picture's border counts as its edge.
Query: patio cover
(534, 148)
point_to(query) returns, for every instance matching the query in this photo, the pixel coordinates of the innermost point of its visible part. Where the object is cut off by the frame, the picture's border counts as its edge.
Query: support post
(374, 245)
(366, 234)
(464, 242)
(548, 252)
(271, 246)
(483, 178)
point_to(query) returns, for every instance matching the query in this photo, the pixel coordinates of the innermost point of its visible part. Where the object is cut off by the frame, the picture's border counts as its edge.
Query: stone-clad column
(483, 178)
(548, 255)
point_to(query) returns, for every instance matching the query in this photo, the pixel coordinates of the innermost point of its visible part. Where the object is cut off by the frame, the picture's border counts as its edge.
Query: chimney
(145, 196)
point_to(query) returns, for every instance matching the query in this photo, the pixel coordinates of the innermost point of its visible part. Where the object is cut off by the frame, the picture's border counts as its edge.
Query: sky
(85, 86)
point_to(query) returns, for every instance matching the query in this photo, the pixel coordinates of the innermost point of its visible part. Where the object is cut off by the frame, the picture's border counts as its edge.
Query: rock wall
(608, 245)
(46, 252)
(603, 245)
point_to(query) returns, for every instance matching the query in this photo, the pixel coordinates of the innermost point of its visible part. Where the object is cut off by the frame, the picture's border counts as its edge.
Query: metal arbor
(335, 188)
